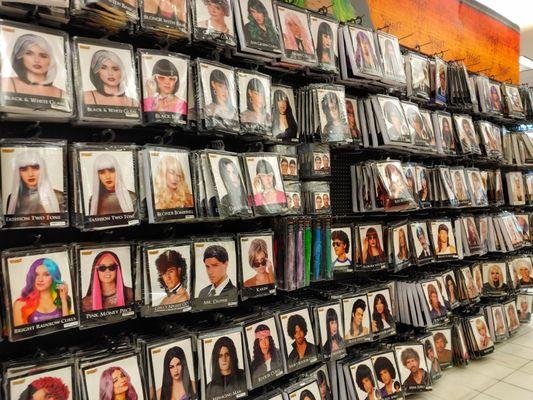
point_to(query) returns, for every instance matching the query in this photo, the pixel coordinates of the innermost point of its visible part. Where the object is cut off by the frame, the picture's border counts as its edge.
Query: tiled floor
(506, 374)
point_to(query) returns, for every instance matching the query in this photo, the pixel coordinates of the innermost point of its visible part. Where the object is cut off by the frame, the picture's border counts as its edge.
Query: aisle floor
(505, 374)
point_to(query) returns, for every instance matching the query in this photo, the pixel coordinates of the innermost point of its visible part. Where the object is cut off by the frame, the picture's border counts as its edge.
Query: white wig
(107, 161)
(44, 187)
(22, 44)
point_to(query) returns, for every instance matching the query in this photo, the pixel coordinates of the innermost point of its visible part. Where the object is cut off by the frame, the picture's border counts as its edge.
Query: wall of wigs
(230, 199)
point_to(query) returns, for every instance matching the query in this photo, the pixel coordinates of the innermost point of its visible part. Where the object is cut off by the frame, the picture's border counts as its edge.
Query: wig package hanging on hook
(105, 283)
(164, 80)
(51, 375)
(263, 369)
(254, 103)
(29, 166)
(160, 356)
(217, 96)
(110, 16)
(101, 373)
(265, 183)
(104, 99)
(165, 20)
(219, 289)
(168, 184)
(257, 264)
(49, 95)
(211, 345)
(167, 277)
(225, 170)
(105, 180)
(25, 295)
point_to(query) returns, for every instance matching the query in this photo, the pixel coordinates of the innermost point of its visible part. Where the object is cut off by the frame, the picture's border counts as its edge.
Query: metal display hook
(216, 52)
(37, 239)
(324, 9)
(384, 28)
(106, 135)
(166, 137)
(35, 130)
(164, 45)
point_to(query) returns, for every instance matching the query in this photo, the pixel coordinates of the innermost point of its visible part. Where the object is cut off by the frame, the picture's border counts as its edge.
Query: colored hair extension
(308, 252)
(317, 251)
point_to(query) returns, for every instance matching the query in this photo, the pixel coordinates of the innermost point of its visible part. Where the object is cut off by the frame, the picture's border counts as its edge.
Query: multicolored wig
(106, 385)
(54, 388)
(95, 290)
(30, 296)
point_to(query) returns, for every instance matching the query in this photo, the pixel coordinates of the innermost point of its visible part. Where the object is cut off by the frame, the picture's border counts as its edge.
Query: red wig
(54, 387)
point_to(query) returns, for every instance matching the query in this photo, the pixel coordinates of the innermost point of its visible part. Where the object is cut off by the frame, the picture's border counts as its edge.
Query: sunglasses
(104, 268)
(261, 263)
(337, 244)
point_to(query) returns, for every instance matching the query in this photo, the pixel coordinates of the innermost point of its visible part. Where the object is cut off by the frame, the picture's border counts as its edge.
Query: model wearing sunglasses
(258, 260)
(106, 288)
(341, 248)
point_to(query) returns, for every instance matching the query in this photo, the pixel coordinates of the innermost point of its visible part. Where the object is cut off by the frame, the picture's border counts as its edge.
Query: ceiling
(519, 12)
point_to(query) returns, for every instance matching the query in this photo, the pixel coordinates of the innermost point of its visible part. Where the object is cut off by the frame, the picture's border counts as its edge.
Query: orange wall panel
(456, 28)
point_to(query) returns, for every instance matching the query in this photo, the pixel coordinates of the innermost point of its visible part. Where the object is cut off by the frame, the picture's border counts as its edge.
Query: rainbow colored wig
(30, 296)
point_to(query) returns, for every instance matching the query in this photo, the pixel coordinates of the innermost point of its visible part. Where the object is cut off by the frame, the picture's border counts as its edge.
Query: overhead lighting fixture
(526, 63)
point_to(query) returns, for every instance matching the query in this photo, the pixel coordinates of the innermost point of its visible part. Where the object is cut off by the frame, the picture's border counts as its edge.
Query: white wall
(526, 49)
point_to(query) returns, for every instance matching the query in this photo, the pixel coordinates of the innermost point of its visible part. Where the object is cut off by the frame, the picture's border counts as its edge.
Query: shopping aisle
(507, 374)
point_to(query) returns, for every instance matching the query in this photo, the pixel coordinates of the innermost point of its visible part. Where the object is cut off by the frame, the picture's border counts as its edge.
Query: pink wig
(106, 385)
(95, 290)
(290, 40)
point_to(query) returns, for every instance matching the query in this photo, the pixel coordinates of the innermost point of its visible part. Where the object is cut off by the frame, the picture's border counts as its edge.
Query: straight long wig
(95, 289)
(166, 384)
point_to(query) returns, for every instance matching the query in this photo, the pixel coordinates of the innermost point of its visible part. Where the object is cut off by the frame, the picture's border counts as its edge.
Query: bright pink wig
(95, 289)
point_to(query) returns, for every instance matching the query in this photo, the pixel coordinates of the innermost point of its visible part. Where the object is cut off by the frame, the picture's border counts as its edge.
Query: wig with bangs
(47, 196)
(107, 161)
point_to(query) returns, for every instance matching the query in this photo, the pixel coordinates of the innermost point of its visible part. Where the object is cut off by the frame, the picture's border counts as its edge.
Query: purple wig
(106, 385)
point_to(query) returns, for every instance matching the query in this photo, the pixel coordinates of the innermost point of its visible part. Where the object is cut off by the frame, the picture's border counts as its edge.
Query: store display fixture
(275, 204)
